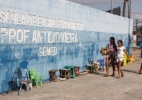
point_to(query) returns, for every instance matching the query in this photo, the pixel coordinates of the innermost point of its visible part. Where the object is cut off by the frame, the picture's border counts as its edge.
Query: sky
(106, 5)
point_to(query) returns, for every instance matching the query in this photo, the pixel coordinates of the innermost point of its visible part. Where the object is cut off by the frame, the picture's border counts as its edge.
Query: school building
(55, 33)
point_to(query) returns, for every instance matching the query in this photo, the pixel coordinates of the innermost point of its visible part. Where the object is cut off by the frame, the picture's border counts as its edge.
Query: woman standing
(111, 56)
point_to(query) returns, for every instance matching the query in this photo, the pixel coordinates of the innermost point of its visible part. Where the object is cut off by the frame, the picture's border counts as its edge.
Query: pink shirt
(110, 47)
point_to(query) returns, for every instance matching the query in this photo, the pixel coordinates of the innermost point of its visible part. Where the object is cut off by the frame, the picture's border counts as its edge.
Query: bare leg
(119, 69)
(113, 68)
(107, 67)
(140, 71)
(122, 74)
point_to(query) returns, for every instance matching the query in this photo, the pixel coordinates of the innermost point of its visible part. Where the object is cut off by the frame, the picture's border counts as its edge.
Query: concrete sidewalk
(88, 87)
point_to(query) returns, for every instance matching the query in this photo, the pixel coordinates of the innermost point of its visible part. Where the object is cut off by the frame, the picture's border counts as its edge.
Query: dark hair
(113, 43)
(120, 41)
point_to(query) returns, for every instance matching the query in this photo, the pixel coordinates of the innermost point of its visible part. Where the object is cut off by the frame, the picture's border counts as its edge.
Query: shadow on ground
(100, 74)
(130, 71)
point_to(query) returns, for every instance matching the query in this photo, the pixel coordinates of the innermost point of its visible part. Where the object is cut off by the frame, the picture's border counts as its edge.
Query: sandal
(140, 72)
(113, 75)
(105, 75)
(118, 77)
(122, 75)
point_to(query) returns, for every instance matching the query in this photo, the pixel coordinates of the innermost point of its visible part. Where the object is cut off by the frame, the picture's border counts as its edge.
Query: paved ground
(88, 87)
(136, 54)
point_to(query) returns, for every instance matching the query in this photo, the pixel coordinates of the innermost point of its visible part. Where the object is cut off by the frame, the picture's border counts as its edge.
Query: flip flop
(117, 77)
(140, 72)
(105, 75)
(113, 75)
(122, 75)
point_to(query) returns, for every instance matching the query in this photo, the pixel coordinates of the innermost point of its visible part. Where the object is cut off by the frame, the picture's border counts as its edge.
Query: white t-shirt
(120, 51)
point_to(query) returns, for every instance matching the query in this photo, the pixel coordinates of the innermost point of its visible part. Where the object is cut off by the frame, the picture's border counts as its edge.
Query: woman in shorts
(112, 49)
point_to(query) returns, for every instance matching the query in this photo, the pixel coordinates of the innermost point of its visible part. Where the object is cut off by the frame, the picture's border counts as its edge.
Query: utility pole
(124, 8)
(129, 16)
(136, 24)
(130, 7)
(112, 6)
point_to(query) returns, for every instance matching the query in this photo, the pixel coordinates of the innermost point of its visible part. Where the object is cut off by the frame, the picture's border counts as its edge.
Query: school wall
(54, 33)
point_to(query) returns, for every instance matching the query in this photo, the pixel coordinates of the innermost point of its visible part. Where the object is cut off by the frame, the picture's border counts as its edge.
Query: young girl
(120, 54)
(112, 49)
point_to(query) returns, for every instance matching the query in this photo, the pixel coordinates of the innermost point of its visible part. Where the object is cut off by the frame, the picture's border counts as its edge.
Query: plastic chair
(52, 74)
(35, 78)
(131, 59)
(72, 70)
(76, 70)
(102, 64)
(23, 75)
(65, 73)
(90, 67)
(125, 59)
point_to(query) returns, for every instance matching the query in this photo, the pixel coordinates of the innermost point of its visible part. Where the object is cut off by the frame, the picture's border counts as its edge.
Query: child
(120, 55)
(140, 46)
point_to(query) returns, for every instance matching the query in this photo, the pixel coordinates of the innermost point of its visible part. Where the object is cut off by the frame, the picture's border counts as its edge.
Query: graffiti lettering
(21, 35)
(47, 51)
(13, 35)
(35, 20)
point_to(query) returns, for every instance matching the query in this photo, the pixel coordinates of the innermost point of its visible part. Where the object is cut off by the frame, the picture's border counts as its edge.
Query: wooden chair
(52, 74)
(65, 73)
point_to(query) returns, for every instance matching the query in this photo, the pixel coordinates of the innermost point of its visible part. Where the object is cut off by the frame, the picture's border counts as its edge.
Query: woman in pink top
(111, 56)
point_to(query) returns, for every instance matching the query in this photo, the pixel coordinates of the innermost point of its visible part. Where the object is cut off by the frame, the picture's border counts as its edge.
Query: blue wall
(25, 36)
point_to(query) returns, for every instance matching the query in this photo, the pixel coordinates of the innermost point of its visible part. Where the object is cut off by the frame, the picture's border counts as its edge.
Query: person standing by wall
(120, 57)
(140, 47)
(140, 71)
(111, 56)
